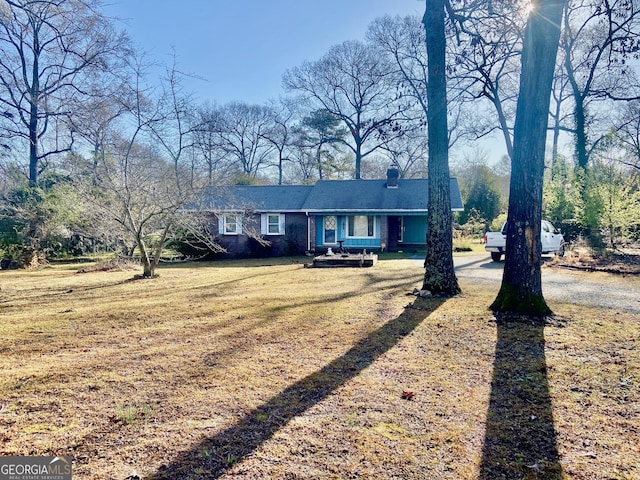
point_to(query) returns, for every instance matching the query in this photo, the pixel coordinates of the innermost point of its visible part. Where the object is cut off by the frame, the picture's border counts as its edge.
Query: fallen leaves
(406, 395)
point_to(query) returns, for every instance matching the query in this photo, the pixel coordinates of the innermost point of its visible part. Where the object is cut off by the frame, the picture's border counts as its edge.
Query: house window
(360, 226)
(330, 224)
(231, 224)
(272, 224)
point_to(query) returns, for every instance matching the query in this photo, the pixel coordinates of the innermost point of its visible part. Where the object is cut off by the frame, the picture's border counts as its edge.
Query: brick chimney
(392, 177)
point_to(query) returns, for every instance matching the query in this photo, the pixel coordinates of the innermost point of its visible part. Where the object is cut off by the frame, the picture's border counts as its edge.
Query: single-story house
(374, 215)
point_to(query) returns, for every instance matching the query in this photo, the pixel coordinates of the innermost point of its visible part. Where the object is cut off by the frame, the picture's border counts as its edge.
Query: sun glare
(528, 8)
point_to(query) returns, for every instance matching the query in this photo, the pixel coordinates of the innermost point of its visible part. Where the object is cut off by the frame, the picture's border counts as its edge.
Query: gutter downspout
(308, 232)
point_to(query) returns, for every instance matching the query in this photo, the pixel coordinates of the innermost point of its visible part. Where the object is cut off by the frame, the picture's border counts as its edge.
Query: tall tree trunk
(281, 159)
(33, 117)
(521, 289)
(589, 223)
(504, 126)
(33, 145)
(439, 276)
(358, 157)
(580, 117)
(555, 144)
(556, 116)
(319, 160)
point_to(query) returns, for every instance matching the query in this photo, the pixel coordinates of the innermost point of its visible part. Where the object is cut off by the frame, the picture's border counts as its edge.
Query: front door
(395, 232)
(330, 224)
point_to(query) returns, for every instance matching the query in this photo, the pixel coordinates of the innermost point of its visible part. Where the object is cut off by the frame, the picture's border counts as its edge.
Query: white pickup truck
(552, 241)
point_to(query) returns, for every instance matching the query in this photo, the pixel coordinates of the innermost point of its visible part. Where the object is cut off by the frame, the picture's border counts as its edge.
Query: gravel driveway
(569, 286)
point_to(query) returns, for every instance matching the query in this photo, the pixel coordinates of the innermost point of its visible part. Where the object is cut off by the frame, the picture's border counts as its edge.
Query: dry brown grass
(622, 261)
(247, 370)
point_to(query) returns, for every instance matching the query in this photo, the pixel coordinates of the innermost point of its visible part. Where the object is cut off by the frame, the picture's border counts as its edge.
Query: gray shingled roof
(411, 195)
(260, 198)
(374, 195)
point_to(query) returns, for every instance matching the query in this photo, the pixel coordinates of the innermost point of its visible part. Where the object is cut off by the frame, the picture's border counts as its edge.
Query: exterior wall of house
(292, 242)
(390, 233)
(397, 206)
(414, 230)
(237, 245)
(341, 233)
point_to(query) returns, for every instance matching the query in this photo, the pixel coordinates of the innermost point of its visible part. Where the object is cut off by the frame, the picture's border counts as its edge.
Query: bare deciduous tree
(355, 84)
(409, 153)
(208, 144)
(143, 184)
(486, 60)
(628, 135)
(175, 130)
(280, 135)
(242, 136)
(49, 49)
(599, 39)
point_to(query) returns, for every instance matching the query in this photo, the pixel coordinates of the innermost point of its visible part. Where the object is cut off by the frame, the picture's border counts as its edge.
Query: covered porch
(359, 231)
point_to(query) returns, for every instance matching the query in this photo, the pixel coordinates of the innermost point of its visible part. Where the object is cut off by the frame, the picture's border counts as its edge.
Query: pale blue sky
(242, 47)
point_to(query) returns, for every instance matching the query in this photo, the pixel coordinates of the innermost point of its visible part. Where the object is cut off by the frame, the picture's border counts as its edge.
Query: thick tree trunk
(580, 118)
(151, 256)
(521, 289)
(148, 269)
(582, 157)
(439, 276)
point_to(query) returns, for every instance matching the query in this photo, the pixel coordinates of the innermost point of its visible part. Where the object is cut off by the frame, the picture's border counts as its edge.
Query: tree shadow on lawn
(520, 437)
(215, 455)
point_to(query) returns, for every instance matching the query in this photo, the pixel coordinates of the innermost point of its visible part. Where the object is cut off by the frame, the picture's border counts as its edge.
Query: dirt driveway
(559, 285)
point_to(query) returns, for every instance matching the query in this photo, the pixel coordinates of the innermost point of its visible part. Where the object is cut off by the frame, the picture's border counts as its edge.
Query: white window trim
(222, 224)
(375, 227)
(264, 223)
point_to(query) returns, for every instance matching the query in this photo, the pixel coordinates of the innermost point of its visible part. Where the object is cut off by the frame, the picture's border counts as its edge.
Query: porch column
(384, 232)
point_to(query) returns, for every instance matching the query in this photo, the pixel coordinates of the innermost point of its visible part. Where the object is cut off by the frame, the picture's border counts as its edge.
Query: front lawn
(265, 369)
